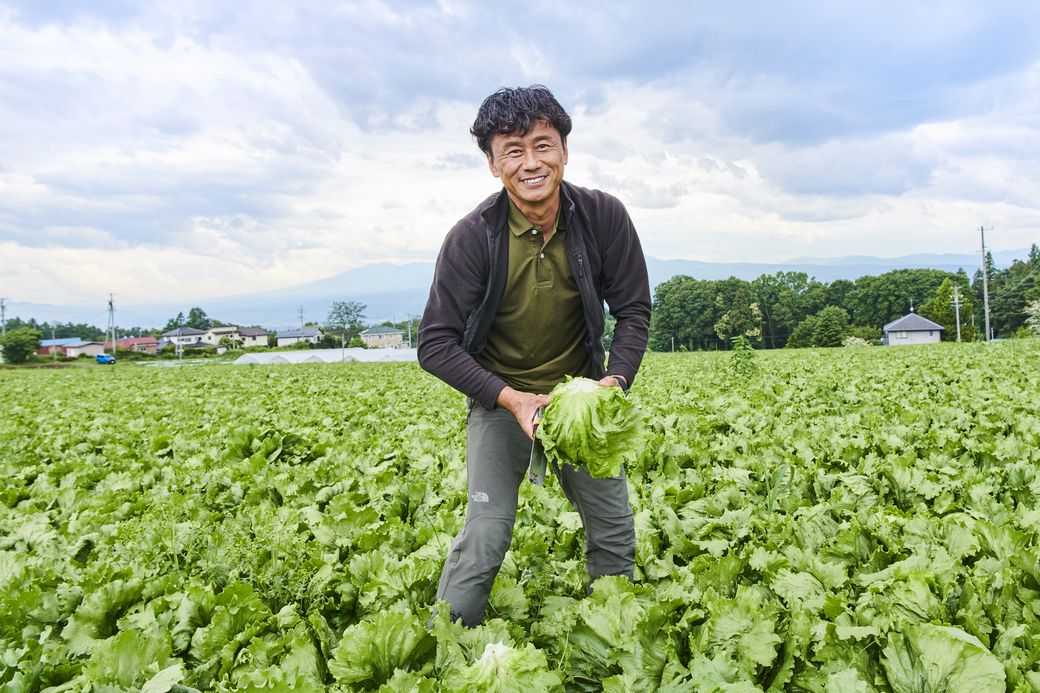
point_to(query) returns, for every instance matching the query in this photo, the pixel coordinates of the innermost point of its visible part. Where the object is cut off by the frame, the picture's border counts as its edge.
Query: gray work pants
(497, 456)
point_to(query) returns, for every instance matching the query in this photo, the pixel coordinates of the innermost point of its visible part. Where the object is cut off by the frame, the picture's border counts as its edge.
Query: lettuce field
(827, 521)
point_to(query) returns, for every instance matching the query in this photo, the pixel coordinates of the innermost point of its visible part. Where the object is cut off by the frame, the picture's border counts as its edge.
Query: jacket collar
(496, 213)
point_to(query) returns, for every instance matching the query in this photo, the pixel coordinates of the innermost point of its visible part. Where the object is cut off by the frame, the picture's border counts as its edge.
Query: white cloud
(192, 149)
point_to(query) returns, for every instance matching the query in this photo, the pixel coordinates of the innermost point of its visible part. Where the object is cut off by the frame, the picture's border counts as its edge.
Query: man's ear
(491, 165)
(564, 143)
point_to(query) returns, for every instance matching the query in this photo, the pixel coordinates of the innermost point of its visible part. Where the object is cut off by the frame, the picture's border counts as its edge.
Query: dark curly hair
(515, 111)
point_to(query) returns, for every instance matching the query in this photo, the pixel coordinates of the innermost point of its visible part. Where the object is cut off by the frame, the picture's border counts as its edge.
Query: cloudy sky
(192, 148)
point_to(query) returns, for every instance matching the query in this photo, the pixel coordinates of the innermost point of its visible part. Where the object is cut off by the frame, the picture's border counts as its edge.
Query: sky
(188, 149)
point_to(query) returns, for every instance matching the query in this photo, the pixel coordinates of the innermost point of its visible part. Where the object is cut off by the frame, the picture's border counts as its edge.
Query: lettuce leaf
(591, 427)
(371, 651)
(927, 657)
(503, 669)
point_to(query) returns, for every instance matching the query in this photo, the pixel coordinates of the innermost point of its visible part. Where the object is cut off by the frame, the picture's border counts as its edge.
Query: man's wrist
(621, 381)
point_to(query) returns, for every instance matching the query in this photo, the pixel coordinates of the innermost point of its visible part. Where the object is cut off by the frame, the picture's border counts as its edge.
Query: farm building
(912, 329)
(69, 347)
(383, 336)
(84, 349)
(51, 346)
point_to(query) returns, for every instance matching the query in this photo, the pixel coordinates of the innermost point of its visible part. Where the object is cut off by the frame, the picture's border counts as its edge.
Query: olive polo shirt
(538, 335)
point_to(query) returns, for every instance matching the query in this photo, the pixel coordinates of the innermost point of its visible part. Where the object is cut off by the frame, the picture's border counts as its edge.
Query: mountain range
(398, 291)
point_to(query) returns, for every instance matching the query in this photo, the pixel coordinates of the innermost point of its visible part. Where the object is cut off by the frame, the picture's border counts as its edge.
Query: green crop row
(834, 520)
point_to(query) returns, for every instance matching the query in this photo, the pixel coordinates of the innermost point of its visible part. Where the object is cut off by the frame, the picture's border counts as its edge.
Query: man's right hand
(523, 405)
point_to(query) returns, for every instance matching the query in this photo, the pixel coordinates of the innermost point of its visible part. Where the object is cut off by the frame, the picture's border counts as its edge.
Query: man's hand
(612, 381)
(523, 406)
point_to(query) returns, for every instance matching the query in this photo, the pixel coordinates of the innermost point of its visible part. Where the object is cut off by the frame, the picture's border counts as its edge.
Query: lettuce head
(591, 427)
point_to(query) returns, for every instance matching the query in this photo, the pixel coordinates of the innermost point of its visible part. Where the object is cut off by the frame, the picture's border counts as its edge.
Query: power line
(1015, 177)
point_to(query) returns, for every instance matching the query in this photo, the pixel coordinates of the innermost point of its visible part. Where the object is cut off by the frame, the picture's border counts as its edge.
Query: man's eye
(543, 146)
(513, 152)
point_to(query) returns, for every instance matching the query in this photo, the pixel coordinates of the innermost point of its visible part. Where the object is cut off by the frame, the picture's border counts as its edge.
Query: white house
(912, 329)
(183, 337)
(382, 336)
(311, 335)
(215, 334)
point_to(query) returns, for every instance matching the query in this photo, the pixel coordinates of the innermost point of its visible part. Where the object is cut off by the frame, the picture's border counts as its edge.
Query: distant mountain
(395, 292)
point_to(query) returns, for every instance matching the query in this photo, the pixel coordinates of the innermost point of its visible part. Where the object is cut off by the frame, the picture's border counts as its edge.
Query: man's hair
(515, 112)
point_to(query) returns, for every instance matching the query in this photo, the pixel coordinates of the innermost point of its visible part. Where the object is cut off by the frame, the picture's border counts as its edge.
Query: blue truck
(107, 359)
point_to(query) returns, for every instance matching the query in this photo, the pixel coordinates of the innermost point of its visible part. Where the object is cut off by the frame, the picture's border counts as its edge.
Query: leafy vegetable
(371, 651)
(283, 528)
(591, 427)
(504, 669)
(941, 659)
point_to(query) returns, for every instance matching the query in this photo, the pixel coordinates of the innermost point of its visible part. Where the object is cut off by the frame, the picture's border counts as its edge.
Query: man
(515, 306)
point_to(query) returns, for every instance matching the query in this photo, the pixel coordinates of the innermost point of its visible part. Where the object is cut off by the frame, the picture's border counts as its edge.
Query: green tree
(803, 334)
(940, 309)
(1010, 290)
(876, 301)
(1032, 312)
(198, 319)
(683, 312)
(346, 318)
(743, 319)
(609, 323)
(174, 323)
(832, 324)
(19, 344)
(837, 291)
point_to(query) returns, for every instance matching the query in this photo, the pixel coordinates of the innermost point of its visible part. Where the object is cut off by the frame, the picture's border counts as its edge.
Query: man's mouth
(533, 181)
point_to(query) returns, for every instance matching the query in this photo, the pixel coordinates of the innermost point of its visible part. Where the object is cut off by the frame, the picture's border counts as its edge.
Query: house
(146, 345)
(382, 336)
(311, 335)
(215, 335)
(912, 329)
(253, 336)
(51, 346)
(183, 337)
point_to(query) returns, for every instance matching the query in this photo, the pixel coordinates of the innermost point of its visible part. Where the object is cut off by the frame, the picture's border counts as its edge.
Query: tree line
(791, 309)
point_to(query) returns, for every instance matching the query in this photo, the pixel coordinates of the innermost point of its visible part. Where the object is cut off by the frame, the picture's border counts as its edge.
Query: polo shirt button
(541, 255)
(534, 231)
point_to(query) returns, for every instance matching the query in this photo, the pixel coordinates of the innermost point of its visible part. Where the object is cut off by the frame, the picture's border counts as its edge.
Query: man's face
(531, 166)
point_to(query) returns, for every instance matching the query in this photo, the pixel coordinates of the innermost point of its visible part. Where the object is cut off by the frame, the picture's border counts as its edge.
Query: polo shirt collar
(519, 225)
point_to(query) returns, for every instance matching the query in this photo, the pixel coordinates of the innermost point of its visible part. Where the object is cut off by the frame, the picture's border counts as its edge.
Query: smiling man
(516, 305)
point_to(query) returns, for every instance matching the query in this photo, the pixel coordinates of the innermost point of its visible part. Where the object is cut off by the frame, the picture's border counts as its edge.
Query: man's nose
(530, 159)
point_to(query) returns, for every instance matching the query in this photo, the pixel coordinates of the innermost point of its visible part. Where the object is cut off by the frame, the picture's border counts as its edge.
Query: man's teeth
(531, 181)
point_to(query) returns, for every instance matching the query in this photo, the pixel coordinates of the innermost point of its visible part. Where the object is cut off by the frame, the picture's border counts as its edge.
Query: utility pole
(111, 331)
(957, 310)
(3, 325)
(985, 280)
(301, 317)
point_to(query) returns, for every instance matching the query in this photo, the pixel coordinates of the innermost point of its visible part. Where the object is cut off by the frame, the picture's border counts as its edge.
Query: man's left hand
(610, 381)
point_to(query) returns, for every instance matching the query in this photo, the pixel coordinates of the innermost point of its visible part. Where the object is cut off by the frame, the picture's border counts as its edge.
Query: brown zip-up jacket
(605, 258)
